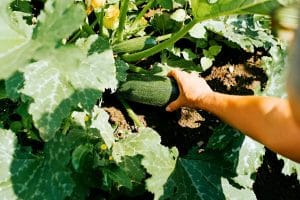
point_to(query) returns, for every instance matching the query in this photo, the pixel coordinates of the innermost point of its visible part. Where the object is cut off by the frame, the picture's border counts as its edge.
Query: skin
(271, 121)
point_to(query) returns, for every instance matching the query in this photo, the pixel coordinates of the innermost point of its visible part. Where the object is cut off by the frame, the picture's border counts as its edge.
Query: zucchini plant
(58, 58)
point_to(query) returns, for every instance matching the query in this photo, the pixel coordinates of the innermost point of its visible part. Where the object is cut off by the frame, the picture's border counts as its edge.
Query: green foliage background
(56, 70)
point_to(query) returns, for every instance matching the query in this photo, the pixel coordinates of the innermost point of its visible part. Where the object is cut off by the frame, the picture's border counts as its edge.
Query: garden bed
(66, 133)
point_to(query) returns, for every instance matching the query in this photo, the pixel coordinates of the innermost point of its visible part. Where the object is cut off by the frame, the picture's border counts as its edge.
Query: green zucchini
(135, 44)
(149, 89)
(139, 43)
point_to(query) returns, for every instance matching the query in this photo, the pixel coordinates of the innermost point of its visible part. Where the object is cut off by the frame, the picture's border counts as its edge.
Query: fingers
(173, 105)
(175, 74)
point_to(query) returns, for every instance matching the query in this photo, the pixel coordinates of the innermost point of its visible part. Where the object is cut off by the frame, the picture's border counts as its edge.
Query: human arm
(268, 120)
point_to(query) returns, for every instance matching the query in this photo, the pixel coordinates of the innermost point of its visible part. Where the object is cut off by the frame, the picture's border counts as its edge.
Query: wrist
(206, 101)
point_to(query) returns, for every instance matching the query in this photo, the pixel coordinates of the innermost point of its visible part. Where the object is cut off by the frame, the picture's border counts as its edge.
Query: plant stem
(100, 16)
(131, 114)
(122, 20)
(66, 127)
(143, 12)
(75, 36)
(151, 51)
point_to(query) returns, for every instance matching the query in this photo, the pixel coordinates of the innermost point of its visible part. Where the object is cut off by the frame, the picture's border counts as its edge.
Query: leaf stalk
(156, 49)
(122, 20)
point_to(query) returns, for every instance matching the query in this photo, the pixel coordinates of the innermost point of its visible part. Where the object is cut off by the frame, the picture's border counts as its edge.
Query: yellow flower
(98, 4)
(103, 147)
(94, 5)
(143, 21)
(110, 158)
(111, 18)
(86, 118)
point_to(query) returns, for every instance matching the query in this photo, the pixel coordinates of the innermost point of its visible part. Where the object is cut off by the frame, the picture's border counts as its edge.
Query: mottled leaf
(13, 85)
(147, 144)
(276, 69)
(134, 169)
(79, 155)
(122, 68)
(203, 9)
(8, 147)
(206, 175)
(100, 122)
(14, 33)
(62, 76)
(118, 175)
(62, 86)
(234, 193)
(247, 31)
(44, 176)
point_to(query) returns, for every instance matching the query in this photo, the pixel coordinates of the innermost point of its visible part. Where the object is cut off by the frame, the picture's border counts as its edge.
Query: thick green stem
(100, 16)
(156, 49)
(122, 20)
(131, 113)
(66, 126)
(143, 12)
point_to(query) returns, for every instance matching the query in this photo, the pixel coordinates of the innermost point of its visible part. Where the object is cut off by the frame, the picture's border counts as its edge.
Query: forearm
(266, 119)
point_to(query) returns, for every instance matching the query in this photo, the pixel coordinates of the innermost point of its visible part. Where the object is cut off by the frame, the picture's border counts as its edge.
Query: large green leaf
(276, 70)
(7, 148)
(14, 33)
(247, 31)
(159, 161)
(59, 20)
(223, 169)
(61, 76)
(246, 163)
(118, 175)
(100, 122)
(134, 169)
(44, 176)
(208, 9)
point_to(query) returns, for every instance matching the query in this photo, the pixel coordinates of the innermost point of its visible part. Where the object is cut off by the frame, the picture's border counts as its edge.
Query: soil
(239, 74)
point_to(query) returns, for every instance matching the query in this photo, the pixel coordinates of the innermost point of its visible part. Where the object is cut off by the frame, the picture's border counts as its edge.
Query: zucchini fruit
(138, 44)
(135, 44)
(149, 89)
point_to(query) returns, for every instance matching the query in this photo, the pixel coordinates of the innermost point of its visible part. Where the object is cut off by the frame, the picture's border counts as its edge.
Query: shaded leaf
(227, 162)
(44, 176)
(61, 76)
(247, 31)
(79, 155)
(119, 176)
(203, 9)
(147, 144)
(100, 121)
(168, 4)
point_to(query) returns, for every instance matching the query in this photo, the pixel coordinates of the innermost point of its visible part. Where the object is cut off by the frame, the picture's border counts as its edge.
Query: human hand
(193, 90)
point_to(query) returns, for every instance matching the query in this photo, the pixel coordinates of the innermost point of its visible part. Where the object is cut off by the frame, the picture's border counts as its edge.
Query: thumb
(174, 105)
